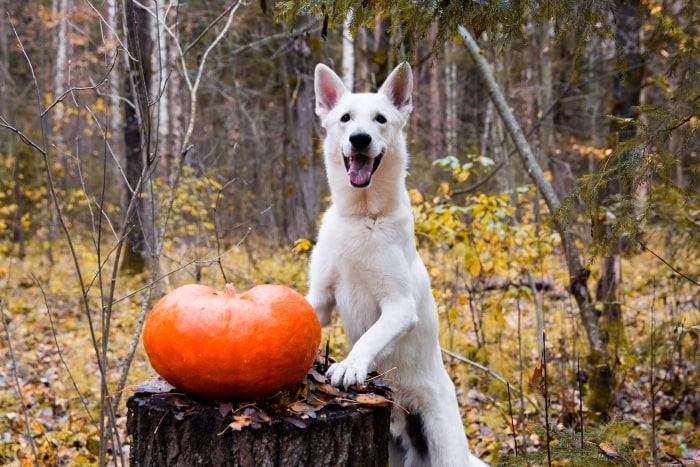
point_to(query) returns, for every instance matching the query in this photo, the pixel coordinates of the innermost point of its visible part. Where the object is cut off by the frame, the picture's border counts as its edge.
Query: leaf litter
(311, 399)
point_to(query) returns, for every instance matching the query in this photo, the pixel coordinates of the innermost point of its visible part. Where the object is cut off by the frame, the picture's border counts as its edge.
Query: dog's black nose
(360, 139)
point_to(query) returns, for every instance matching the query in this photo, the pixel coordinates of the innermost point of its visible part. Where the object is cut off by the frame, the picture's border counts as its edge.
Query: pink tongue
(360, 170)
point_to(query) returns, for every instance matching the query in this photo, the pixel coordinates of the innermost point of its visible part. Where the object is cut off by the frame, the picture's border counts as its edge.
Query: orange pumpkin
(223, 345)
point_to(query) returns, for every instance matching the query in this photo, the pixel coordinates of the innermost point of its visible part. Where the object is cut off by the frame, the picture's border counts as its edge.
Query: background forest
(555, 178)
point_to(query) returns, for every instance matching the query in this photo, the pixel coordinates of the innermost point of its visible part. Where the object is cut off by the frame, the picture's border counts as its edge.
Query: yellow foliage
(193, 204)
(302, 245)
(416, 196)
(588, 151)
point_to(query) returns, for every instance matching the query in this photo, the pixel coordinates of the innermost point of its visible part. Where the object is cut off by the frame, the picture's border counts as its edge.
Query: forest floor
(50, 379)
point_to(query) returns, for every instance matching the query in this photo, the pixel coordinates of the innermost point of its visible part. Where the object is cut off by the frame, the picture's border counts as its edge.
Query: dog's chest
(370, 265)
(366, 243)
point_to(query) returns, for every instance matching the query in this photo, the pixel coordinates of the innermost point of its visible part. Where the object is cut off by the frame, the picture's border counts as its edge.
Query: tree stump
(313, 424)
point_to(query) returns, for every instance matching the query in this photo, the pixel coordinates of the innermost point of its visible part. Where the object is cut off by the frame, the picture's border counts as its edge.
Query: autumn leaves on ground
(50, 383)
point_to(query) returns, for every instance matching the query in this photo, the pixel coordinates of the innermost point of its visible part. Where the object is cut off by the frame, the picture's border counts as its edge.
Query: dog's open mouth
(360, 168)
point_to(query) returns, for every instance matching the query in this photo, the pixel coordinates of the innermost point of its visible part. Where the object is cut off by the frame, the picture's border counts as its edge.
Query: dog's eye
(380, 118)
(345, 118)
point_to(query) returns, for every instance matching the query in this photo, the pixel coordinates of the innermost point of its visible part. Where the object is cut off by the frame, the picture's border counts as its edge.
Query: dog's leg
(408, 446)
(320, 294)
(321, 298)
(442, 426)
(398, 316)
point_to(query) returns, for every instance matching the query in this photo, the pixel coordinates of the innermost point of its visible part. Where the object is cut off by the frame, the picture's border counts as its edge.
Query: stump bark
(173, 429)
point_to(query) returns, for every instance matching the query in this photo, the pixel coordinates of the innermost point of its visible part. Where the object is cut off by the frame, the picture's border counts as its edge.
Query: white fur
(366, 265)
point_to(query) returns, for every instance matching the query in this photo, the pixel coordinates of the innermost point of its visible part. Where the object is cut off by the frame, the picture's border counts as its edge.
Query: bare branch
(106, 23)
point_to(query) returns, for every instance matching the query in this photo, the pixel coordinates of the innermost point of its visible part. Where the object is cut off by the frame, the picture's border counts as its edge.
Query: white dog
(366, 265)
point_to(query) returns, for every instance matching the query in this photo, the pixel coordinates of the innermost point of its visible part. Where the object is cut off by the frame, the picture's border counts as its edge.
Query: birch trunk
(435, 107)
(113, 86)
(159, 83)
(546, 85)
(61, 57)
(348, 56)
(167, 85)
(363, 81)
(450, 103)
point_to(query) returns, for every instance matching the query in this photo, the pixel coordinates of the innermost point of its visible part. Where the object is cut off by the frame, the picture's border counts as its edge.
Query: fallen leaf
(372, 399)
(329, 389)
(153, 385)
(225, 408)
(608, 449)
(239, 422)
(317, 376)
(304, 408)
(314, 399)
(537, 381)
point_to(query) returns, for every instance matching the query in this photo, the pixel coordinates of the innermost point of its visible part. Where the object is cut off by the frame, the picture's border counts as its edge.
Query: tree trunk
(363, 78)
(60, 78)
(113, 86)
(4, 68)
(158, 85)
(546, 99)
(301, 192)
(178, 431)
(167, 85)
(137, 136)
(598, 357)
(450, 103)
(626, 93)
(348, 56)
(434, 108)
(7, 145)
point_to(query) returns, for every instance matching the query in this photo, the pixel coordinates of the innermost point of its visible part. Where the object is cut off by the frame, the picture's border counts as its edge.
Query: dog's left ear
(329, 88)
(398, 87)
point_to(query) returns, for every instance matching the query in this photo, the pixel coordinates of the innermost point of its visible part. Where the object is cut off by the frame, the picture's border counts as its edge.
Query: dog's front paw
(345, 374)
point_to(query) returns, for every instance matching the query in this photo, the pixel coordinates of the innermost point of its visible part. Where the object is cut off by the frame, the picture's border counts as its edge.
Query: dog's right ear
(329, 88)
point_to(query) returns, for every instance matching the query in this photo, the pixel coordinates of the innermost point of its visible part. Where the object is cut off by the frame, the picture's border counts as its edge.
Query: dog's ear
(398, 88)
(329, 88)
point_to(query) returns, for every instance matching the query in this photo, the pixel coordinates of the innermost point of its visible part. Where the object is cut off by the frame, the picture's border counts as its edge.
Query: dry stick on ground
(494, 375)
(577, 275)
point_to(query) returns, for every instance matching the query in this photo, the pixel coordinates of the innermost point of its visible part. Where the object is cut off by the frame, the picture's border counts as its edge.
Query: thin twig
(546, 399)
(669, 265)
(106, 23)
(512, 423)
(580, 394)
(208, 28)
(494, 375)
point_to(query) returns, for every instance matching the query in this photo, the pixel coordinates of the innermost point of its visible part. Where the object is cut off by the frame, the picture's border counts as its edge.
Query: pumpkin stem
(230, 290)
